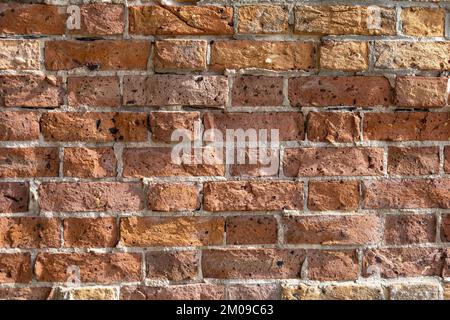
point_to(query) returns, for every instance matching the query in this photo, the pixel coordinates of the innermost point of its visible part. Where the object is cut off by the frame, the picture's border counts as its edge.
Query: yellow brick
(346, 56)
(424, 22)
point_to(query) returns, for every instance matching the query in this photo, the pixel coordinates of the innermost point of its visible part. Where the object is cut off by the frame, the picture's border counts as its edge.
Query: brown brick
(445, 228)
(90, 267)
(97, 55)
(199, 291)
(180, 55)
(101, 19)
(253, 196)
(409, 228)
(402, 262)
(344, 19)
(325, 91)
(15, 268)
(447, 159)
(94, 126)
(407, 126)
(32, 19)
(181, 20)
(252, 292)
(252, 91)
(19, 55)
(171, 231)
(91, 196)
(263, 19)
(251, 230)
(14, 197)
(163, 124)
(406, 193)
(252, 263)
(333, 195)
(89, 162)
(29, 162)
(173, 197)
(171, 90)
(344, 56)
(172, 265)
(415, 291)
(94, 91)
(265, 163)
(156, 161)
(333, 127)
(421, 92)
(90, 232)
(273, 55)
(19, 126)
(333, 229)
(413, 160)
(29, 232)
(30, 293)
(428, 22)
(332, 265)
(30, 91)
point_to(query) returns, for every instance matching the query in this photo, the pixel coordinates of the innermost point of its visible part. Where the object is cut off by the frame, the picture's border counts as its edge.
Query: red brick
(252, 263)
(445, 230)
(14, 197)
(94, 91)
(252, 91)
(251, 230)
(15, 268)
(89, 162)
(91, 267)
(421, 92)
(29, 162)
(406, 193)
(409, 228)
(407, 126)
(171, 231)
(333, 127)
(333, 162)
(252, 292)
(413, 161)
(101, 19)
(31, 293)
(333, 195)
(29, 232)
(180, 55)
(173, 197)
(199, 291)
(333, 229)
(357, 91)
(172, 265)
(171, 90)
(94, 126)
(90, 232)
(163, 124)
(332, 265)
(253, 196)
(266, 165)
(97, 55)
(91, 196)
(19, 126)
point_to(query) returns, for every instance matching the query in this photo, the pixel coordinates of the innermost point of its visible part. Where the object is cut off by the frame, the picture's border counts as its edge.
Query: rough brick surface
(19, 126)
(423, 22)
(15, 268)
(347, 56)
(333, 195)
(87, 232)
(263, 19)
(172, 265)
(180, 54)
(413, 161)
(29, 233)
(28, 162)
(89, 162)
(14, 197)
(257, 91)
(409, 228)
(94, 91)
(332, 265)
(421, 92)
(333, 127)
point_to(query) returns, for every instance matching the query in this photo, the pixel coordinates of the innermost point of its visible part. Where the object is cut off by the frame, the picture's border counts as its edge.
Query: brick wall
(91, 205)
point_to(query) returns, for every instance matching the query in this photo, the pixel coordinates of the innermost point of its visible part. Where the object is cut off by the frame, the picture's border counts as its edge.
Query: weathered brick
(19, 126)
(90, 232)
(326, 91)
(97, 55)
(180, 55)
(333, 195)
(263, 19)
(170, 90)
(333, 127)
(331, 265)
(30, 293)
(333, 292)
(445, 228)
(29, 162)
(446, 291)
(172, 265)
(252, 196)
(273, 55)
(28, 232)
(345, 56)
(87, 293)
(19, 55)
(14, 197)
(428, 22)
(89, 162)
(94, 91)
(421, 92)
(31, 91)
(402, 262)
(90, 196)
(163, 124)
(252, 263)
(181, 20)
(173, 197)
(446, 160)
(100, 19)
(412, 161)
(252, 292)
(252, 91)
(251, 230)
(344, 19)
(407, 126)
(15, 268)
(199, 291)
(94, 126)
(265, 162)
(409, 228)
(406, 193)
(90, 267)
(171, 231)
(414, 291)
